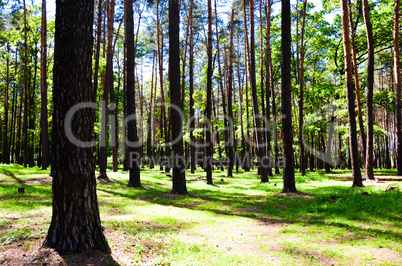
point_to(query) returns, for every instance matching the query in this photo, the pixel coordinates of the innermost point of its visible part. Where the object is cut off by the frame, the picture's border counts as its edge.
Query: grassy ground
(235, 222)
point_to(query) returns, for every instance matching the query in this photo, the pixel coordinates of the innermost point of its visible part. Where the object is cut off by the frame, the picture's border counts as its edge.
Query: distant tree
(256, 113)
(289, 184)
(6, 143)
(301, 96)
(191, 88)
(179, 176)
(397, 73)
(43, 88)
(75, 224)
(107, 87)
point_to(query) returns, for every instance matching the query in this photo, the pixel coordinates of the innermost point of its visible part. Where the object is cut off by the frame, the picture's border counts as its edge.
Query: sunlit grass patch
(237, 221)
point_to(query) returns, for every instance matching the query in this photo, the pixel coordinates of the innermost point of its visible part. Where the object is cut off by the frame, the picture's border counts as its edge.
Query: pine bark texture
(209, 154)
(354, 155)
(75, 224)
(370, 91)
(289, 184)
(132, 137)
(179, 177)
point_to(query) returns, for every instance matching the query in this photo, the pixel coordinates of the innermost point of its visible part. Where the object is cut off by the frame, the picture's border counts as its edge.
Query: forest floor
(238, 221)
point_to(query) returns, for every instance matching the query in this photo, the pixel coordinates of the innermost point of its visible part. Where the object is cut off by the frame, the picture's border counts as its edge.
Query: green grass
(236, 222)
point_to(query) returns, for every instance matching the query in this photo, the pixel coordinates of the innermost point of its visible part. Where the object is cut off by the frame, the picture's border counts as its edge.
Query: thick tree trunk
(75, 225)
(354, 155)
(370, 90)
(179, 167)
(289, 168)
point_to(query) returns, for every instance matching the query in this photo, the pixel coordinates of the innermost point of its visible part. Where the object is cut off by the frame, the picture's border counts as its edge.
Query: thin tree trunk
(209, 144)
(288, 171)
(357, 84)
(268, 84)
(191, 87)
(397, 73)
(229, 93)
(25, 122)
(6, 146)
(43, 86)
(370, 89)
(246, 74)
(14, 109)
(301, 96)
(133, 145)
(97, 50)
(163, 129)
(32, 113)
(256, 112)
(354, 156)
(108, 86)
(179, 176)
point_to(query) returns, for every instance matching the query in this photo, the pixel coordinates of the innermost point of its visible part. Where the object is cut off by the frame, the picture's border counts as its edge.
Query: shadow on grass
(12, 175)
(355, 206)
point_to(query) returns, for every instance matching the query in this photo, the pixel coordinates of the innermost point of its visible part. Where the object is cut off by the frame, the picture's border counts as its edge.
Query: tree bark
(354, 155)
(179, 167)
(25, 122)
(6, 146)
(357, 84)
(397, 73)
(288, 171)
(256, 112)
(370, 90)
(301, 96)
(229, 93)
(75, 225)
(131, 121)
(221, 86)
(108, 86)
(191, 87)
(209, 144)
(268, 84)
(43, 86)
